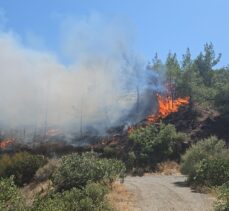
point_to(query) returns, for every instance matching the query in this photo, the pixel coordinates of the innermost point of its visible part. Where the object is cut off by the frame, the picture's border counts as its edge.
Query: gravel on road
(164, 193)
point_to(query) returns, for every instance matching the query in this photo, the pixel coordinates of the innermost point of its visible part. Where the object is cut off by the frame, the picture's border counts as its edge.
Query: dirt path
(164, 193)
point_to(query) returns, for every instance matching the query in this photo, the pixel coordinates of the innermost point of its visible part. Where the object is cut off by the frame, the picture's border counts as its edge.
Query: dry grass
(168, 168)
(33, 189)
(120, 199)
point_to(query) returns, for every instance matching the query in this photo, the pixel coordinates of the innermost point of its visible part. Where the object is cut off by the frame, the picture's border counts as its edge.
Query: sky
(152, 26)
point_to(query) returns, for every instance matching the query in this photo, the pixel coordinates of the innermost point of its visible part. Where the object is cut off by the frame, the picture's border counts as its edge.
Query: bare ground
(121, 199)
(164, 193)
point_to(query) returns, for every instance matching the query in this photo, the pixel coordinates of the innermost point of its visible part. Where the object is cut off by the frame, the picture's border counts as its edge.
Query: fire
(166, 106)
(53, 132)
(5, 144)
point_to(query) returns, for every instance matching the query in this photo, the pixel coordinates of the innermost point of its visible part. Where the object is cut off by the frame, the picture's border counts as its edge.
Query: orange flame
(130, 129)
(166, 106)
(5, 144)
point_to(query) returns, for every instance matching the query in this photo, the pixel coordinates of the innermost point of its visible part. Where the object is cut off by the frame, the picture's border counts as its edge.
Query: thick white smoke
(95, 89)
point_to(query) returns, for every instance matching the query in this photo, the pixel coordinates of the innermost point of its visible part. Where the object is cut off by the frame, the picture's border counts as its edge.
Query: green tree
(205, 62)
(172, 68)
(221, 100)
(156, 64)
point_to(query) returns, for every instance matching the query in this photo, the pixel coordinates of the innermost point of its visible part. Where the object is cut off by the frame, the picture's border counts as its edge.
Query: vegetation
(81, 182)
(201, 78)
(222, 203)
(46, 172)
(208, 148)
(153, 144)
(10, 196)
(92, 197)
(207, 164)
(22, 165)
(211, 172)
(76, 171)
(198, 78)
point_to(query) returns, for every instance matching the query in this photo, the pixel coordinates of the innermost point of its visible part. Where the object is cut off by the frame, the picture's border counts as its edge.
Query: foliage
(76, 170)
(131, 160)
(154, 143)
(211, 147)
(198, 78)
(22, 165)
(10, 196)
(211, 172)
(92, 197)
(222, 203)
(109, 152)
(207, 162)
(222, 99)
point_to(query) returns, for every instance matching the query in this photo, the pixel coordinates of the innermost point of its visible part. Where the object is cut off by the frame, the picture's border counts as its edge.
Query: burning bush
(77, 170)
(154, 143)
(166, 106)
(22, 165)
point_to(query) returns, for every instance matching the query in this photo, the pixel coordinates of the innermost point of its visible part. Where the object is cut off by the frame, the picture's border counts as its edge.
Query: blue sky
(156, 26)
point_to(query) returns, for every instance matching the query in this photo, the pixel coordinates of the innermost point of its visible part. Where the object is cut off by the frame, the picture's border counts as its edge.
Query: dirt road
(164, 193)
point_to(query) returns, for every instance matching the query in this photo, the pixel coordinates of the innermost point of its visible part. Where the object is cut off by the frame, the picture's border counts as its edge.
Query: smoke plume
(97, 87)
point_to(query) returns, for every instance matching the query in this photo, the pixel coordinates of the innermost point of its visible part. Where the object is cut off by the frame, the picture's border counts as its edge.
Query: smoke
(96, 87)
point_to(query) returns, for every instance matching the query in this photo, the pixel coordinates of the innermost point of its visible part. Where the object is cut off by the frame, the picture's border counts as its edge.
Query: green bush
(155, 143)
(131, 160)
(222, 203)
(77, 170)
(211, 147)
(211, 172)
(22, 165)
(10, 196)
(109, 152)
(91, 198)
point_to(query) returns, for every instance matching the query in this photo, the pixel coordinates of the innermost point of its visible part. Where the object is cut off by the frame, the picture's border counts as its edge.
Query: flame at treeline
(5, 144)
(166, 106)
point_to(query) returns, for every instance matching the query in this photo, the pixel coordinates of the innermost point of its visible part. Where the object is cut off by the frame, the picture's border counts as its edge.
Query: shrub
(5, 161)
(92, 197)
(22, 165)
(131, 160)
(222, 203)
(76, 171)
(109, 152)
(211, 172)
(211, 147)
(10, 196)
(154, 143)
